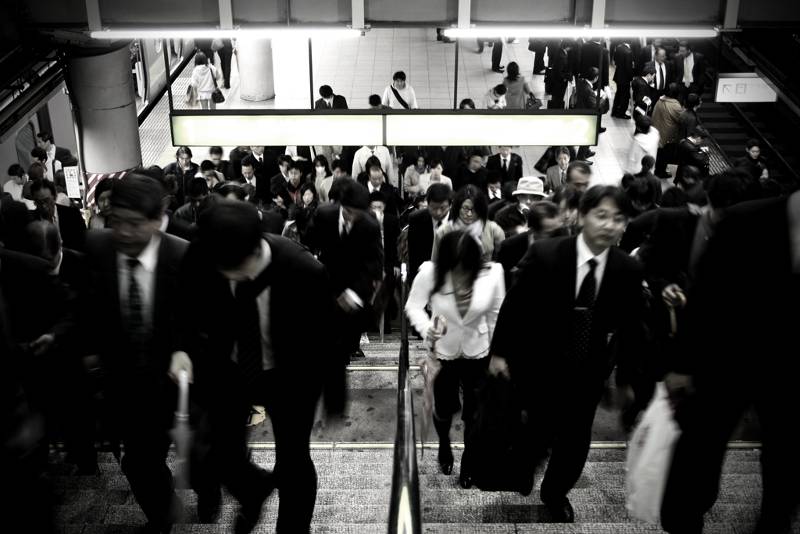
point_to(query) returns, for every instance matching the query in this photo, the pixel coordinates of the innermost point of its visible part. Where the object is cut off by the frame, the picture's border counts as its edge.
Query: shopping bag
(650, 457)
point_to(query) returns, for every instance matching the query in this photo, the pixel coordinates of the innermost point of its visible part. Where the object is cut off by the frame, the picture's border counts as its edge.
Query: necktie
(582, 315)
(136, 327)
(505, 165)
(661, 78)
(248, 331)
(563, 177)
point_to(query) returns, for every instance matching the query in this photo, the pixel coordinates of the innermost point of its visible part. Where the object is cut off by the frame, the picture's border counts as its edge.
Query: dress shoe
(624, 117)
(560, 511)
(499, 69)
(208, 503)
(588, 154)
(249, 513)
(602, 129)
(465, 479)
(357, 355)
(445, 458)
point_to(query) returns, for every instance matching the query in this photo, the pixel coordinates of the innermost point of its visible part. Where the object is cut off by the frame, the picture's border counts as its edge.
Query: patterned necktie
(248, 331)
(582, 315)
(137, 334)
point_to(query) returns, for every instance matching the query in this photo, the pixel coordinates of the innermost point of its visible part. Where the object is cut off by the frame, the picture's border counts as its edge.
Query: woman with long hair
(465, 293)
(470, 212)
(517, 87)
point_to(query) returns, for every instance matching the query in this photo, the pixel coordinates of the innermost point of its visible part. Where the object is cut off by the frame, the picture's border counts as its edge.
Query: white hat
(530, 185)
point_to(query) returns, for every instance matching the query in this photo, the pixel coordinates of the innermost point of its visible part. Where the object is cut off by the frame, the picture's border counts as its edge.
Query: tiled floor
(357, 68)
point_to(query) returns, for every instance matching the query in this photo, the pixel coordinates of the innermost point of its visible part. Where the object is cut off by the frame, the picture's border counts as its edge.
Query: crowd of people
(219, 271)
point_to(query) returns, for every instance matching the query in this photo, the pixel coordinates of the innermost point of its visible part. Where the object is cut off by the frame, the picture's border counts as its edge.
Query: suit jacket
(585, 95)
(624, 61)
(264, 171)
(646, 55)
(690, 154)
(514, 172)
(355, 260)
(742, 314)
(106, 334)
(420, 240)
(510, 253)
(65, 156)
(184, 177)
(698, 71)
(666, 251)
(638, 230)
(669, 77)
(299, 296)
(541, 365)
(392, 196)
(591, 53)
(553, 179)
(71, 227)
(339, 102)
(469, 335)
(391, 232)
(642, 89)
(464, 176)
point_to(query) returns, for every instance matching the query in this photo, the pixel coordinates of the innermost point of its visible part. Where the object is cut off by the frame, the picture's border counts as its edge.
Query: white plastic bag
(650, 457)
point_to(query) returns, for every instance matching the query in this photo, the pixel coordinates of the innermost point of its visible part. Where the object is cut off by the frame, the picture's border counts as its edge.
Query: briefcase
(499, 459)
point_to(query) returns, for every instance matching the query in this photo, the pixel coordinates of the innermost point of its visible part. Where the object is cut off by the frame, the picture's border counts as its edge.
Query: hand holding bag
(217, 97)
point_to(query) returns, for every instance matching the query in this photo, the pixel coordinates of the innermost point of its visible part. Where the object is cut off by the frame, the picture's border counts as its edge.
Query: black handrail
(404, 509)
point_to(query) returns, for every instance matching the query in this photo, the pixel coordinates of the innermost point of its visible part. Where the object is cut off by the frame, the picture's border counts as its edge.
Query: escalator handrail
(404, 507)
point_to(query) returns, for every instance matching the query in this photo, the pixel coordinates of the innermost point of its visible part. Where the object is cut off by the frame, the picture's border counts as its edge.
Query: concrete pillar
(101, 89)
(290, 69)
(256, 81)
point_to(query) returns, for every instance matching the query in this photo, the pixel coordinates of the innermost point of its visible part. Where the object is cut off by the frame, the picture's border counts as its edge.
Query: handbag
(217, 97)
(532, 102)
(191, 96)
(650, 458)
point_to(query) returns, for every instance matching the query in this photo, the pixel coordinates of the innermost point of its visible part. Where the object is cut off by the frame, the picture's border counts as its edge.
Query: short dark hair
(684, 43)
(43, 239)
(44, 135)
(39, 153)
(16, 170)
(563, 150)
(466, 103)
(727, 188)
(104, 185)
(500, 89)
(594, 195)
(338, 164)
(493, 177)
(648, 162)
(377, 196)
(457, 248)
(184, 150)
(673, 90)
(591, 73)
(229, 232)
(374, 100)
(642, 123)
(579, 166)
(687, 172)
(480, 204)
(692, 100)
(138, 193)
(435, 162)
(399, 75)
(475, 154)
(325, 91)
(439, 193)
(36, 171)
(200, 59)
(698, 131)
(153, 171)
(207, 165)
(198, 187)
(674, 197)
(753, 142)
(353, 195)
(284, 158)
(544, 209)
(373, 162)
(38, 184)
(642, 190)
(247, 163)
(649, 69)
(232, 187)
(296, 165)
(215, 150)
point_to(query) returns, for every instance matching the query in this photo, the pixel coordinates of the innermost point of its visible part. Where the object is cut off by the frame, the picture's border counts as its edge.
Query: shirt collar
(148, 258)
(584, 254)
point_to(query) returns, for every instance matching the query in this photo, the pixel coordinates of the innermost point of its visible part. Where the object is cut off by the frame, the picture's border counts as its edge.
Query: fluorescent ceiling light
(573, 32)
(212, 33)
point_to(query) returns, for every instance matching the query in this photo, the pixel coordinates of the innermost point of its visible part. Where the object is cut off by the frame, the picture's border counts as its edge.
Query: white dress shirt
(425, 182)
(14, 189)
(688, 67)
(145, 275)
(262, 301)
(382, 153)
(584, 255)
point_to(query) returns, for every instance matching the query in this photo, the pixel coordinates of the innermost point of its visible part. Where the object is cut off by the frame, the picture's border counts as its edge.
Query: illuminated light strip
(215, 33)
(354, 445)
(572, 32)
(393, 129)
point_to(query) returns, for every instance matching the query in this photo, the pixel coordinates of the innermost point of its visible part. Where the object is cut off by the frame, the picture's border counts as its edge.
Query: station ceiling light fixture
(574, 32)
(216, 33)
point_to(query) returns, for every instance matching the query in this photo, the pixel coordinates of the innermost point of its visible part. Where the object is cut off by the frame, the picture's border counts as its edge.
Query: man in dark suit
(594, 54)
(647, 54)
(690, 70)
(623, 76)
(247, 347)
(329, 100)
(131, 315)
(45, 140)
(348, 241)
(221, 165)
(385, 302)
(731, 360)
(264, 168)
(67, 219)
(692, 153)
(586, 98)
(665, 74)
(422, 225)
(471, 173)
(558, 75)
(507, 163)
(376, 182)
(643, 91)
(594, 292)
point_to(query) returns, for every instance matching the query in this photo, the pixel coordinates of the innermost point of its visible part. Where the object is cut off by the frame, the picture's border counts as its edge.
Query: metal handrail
(405, 515)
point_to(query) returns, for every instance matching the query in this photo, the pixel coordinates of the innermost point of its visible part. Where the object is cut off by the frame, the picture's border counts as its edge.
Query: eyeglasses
(467, 209)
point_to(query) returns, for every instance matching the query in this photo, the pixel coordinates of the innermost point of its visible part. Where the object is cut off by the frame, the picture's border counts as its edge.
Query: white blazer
(468, 336)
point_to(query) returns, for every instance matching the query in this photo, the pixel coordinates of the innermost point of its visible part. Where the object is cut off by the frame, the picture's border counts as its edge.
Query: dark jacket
(691, 154)
(105, 333)
(71, 227)
(514, 172)
(698, 71)
(184, 177)
(592, 53)
(510, 253)
(641, 89)
(263, 171)
(464, 176)
(624, 61)
(543, 297)
(339, 102)
(420, 240)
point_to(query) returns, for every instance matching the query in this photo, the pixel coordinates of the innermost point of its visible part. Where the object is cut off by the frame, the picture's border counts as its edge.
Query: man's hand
(674, 296)
(346, 303)
(42, 344)
(180, 362)
(499, 367)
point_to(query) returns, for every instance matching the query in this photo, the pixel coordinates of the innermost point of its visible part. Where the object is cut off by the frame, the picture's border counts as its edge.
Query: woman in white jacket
(645, 142)
(467, 293)
(203, 80)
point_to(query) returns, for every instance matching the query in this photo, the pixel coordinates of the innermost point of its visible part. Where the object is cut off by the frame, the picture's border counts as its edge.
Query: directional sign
(744, 87)
(73, 182)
